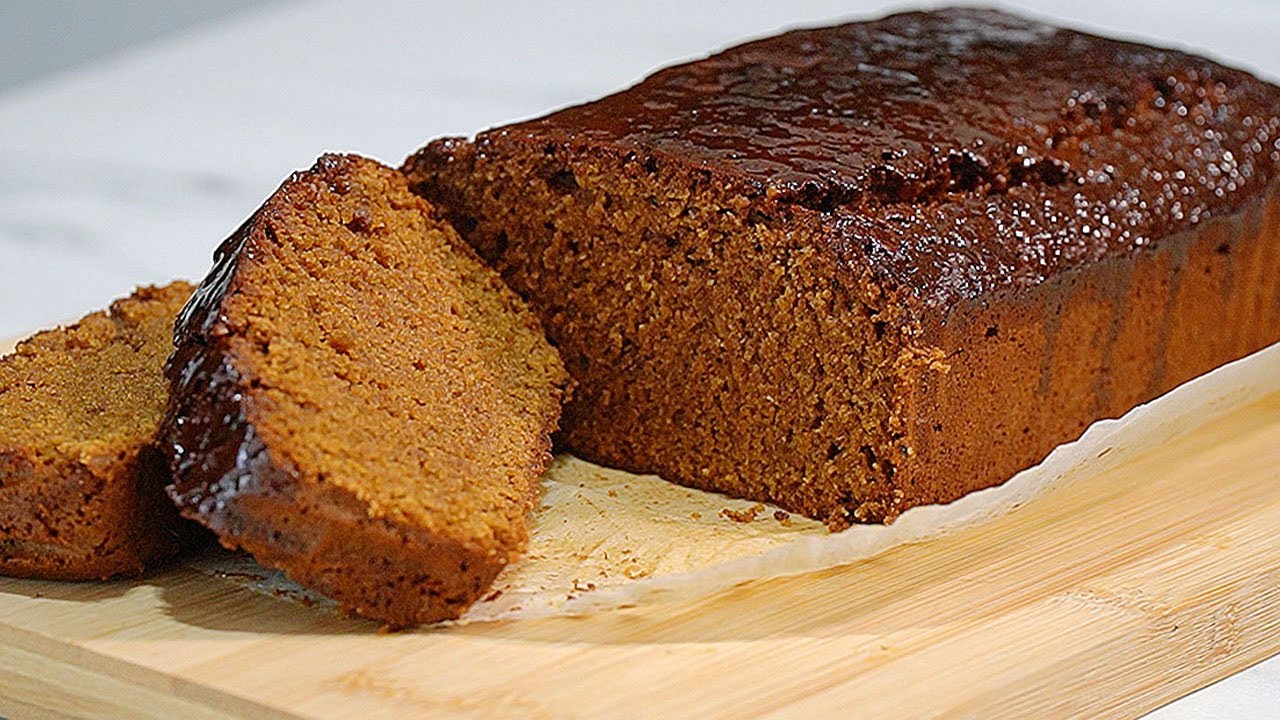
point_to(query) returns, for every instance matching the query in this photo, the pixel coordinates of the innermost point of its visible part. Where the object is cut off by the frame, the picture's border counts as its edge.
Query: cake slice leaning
(358, 401)
(81, 479)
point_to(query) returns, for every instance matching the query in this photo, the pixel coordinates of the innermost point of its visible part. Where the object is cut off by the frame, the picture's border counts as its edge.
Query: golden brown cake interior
(707, 346)
(401, 396)
(81, 482)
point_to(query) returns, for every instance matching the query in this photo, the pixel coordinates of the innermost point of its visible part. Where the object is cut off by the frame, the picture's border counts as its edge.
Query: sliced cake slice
(358, 401)
(81, 478)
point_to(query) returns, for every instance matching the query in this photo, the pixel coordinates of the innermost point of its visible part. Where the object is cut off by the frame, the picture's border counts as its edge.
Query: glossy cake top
(960, 150)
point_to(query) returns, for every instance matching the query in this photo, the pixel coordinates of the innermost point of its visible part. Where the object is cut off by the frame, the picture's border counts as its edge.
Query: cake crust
(854, 269)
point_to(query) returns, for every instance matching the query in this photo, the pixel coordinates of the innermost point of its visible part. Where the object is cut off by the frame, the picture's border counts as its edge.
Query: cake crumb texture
(81, 478)
(359, 401)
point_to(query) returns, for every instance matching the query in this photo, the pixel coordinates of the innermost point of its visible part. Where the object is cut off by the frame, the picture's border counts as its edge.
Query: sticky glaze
(958, 151)
(214, 452)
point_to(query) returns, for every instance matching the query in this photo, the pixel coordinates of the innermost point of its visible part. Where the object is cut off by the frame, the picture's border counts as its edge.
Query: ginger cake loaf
(358, 401)
(854, 269)
(81, 477)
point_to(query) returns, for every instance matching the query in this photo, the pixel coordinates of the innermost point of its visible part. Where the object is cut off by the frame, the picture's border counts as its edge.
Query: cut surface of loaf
(854, 269)
(81, 478)
(359, 401)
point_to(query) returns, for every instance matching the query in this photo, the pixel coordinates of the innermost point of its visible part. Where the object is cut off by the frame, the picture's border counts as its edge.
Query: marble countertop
(131, 169)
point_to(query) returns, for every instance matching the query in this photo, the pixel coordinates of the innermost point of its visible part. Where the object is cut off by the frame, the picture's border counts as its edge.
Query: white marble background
(129, 170)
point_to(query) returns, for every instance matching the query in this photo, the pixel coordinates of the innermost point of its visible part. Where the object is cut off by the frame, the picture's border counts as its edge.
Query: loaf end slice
(81, 478)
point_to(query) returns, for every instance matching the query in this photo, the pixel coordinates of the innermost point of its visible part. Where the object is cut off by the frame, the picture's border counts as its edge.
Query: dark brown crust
(320, 535)
(957, 151)
(1027, 371)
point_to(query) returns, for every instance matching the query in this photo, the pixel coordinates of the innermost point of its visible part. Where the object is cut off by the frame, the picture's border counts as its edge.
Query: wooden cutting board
(1104, 599)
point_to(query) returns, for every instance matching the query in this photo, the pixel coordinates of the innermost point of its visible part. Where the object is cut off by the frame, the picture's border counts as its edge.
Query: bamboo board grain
(1105, 598)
